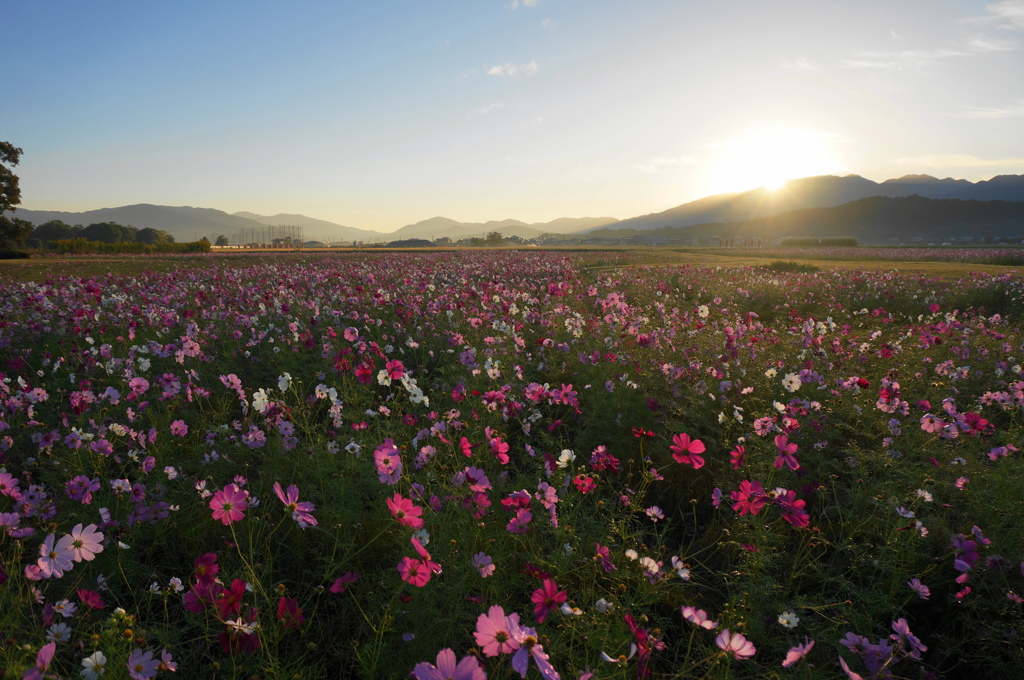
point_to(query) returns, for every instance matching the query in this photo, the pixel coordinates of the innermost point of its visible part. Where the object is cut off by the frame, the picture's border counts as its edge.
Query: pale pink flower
(85, 543)
(797, 653)
(55, 559)
(493, 631)
(740, 647)
(446, 669)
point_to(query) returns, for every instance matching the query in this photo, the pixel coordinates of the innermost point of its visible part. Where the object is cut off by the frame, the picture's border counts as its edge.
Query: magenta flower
(786, 450)
(740, 647)
(493, 631)
(797, 653)
(737, 456)
(55, 558)
(546, 598)
(290, 613)
(414, 572)
(686, 450)
(300, 511)
(446, 669)
(750, 498)
(179, 428)
(405, 511)
(395, 369)
(342, 583)
(85, 543)
(229, 504)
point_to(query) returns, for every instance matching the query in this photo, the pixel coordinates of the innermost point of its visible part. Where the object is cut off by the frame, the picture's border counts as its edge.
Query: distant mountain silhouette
(880, 220)
(187, 223)
(184, 223)
(820, 192)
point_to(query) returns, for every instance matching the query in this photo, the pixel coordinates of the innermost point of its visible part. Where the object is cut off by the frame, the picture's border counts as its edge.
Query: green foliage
(779, 266)
(80, 246)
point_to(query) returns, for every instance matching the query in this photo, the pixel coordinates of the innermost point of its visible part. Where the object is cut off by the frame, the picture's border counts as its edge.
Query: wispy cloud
(1009, 13)
(1012, 110)
(528, 69)
(959, 160)
(548, 24)
(661, 163)
(516, 4)
(798, 64)
(484, 110)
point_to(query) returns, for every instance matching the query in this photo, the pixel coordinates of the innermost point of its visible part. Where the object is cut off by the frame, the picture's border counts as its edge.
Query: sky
(380, 114)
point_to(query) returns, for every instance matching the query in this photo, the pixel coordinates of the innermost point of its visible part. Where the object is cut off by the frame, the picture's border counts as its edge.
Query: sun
(768, 157)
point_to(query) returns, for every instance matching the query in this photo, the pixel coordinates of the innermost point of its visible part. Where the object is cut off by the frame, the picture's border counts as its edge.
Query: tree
(222, 240)
(109, 232)
(54, 230)
(495, 238)
(10, 195)
(153, 236)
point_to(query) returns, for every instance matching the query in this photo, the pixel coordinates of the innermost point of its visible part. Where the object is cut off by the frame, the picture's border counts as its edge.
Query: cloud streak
(511, 70)
(1012, 110)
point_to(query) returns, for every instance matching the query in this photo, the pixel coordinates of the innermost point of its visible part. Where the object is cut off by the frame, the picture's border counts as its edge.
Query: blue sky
(376, 115)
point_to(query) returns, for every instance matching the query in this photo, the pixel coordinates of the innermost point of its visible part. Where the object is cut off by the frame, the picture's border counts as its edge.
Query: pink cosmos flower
(446, 669)
(546, 598)
(229, 504)
(81, 487)
(529, 647)
(290, 613)
(428, 561)
(414, 572)
(493, 631)
(300, 511)
(395, 369)
(786, 452)
(405, 511)
(483, 564)
(85, 543)
(604, 554)
(921, 589)
(797, 653)
(90, 598)
(584, 483)
(740, 646)
(342, 583)
(179, 428)
(737, 456)
(389, 464)
(43, 659)
(520, 524)
(750, 498)
(686, 450)
(55, 559)
(142, 665)
(698, 617)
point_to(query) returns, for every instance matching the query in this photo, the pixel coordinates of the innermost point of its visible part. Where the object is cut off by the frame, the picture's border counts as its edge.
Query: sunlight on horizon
(769, 157)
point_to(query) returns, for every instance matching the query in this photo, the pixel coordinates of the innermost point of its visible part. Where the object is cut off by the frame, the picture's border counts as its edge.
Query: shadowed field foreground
(607, 464)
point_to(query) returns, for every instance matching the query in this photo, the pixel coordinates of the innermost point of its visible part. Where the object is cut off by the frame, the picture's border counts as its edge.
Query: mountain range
(188, 223)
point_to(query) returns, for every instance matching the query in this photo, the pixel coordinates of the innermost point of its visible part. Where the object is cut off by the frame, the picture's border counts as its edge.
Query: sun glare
(768, 157)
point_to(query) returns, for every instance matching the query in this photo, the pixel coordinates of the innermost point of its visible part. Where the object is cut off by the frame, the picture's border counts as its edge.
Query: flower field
(510, 464)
